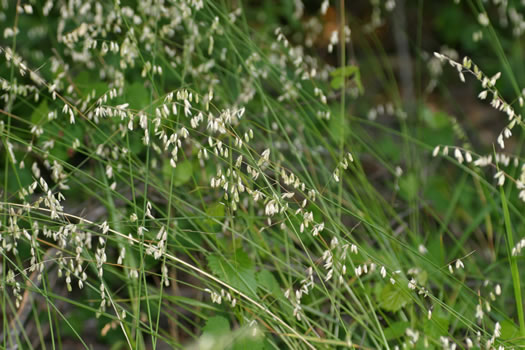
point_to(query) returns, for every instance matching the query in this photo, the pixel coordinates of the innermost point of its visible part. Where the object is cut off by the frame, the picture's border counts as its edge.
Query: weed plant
(202, 174)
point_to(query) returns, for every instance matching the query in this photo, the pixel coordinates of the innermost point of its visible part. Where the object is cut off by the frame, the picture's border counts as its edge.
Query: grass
(513, 263)
(201, 175)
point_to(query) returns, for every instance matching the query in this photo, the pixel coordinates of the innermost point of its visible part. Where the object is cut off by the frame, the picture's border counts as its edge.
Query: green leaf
(435, 120)
(138, 96)
(238, 272)
(181, 174)
(396, 330)
(214, 212)
(216, 326)
(216, 333)
(86, 84)
(509, 330)
(437, 326)
(345, 71)
(268, 283)
(40, 112)
(394, 297)
(248, 341)
(351, 73)
(336, 83)
(217, 330)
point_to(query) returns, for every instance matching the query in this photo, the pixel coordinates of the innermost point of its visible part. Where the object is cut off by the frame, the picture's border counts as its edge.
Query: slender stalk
(513, 262)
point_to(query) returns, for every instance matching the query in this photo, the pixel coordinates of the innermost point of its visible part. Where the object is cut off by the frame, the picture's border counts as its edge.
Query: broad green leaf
(217, 329)
(267, 282)
(351, 73)
(345, 71)
(216, 326)
(215, 212)
(509, 330)
(239, 272)
(137, 96)
(435, 119)
(86, 84)
(216, 333)
(437, 326)
(394, 297)
(248, 341)
(181, 173)
(396, 330)
(40, 113)
(336, 83)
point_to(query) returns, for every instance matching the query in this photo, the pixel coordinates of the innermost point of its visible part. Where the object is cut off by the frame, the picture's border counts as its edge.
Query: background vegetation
(230, 174)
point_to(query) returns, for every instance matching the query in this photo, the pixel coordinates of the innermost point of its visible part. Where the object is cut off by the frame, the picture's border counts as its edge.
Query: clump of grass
(174, 177)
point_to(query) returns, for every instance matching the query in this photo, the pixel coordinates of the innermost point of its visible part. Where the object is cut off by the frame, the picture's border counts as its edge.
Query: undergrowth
(232, 175)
